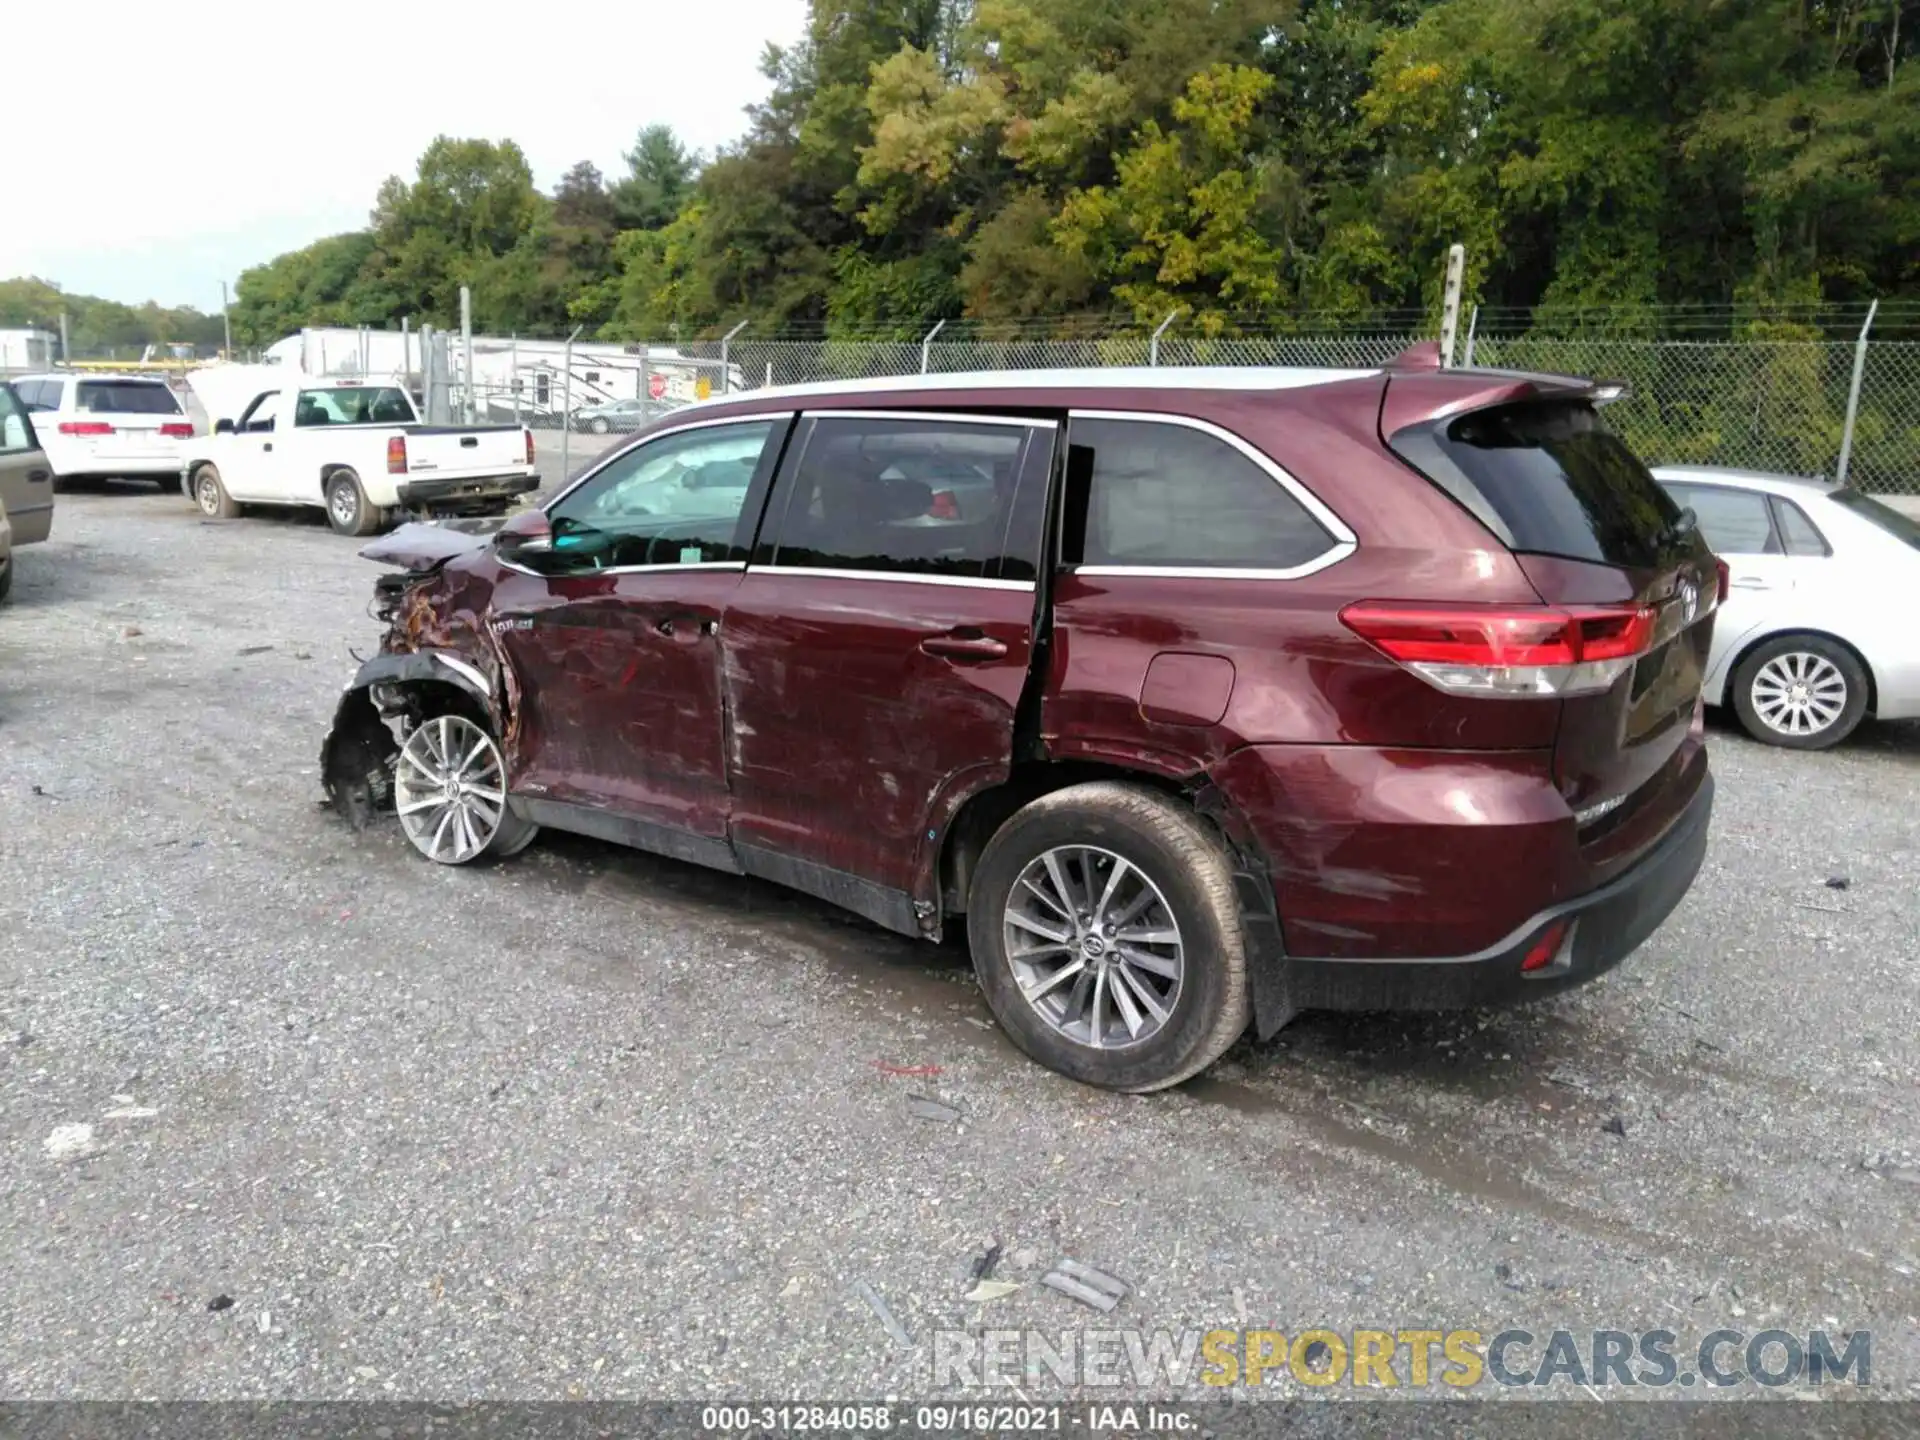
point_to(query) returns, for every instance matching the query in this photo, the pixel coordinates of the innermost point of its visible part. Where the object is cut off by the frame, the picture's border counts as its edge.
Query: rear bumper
(1605, 926)
(461, 491)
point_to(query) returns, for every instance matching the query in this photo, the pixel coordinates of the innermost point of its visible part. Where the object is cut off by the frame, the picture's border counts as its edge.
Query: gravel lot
(591, 1124)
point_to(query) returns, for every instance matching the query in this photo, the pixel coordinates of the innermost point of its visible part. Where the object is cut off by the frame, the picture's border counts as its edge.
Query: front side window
(257, 418)
(1734, 522)
(39, 396)
(676, 500)
(916, 496)
(1165, 495)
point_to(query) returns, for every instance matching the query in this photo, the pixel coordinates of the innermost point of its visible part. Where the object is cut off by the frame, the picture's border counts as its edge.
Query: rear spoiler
(1424, 358)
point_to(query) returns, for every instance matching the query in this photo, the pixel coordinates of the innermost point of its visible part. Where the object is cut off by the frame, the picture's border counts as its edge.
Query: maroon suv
(1204, 696)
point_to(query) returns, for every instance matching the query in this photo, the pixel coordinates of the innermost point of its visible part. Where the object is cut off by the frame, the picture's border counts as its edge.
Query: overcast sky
(179, 143)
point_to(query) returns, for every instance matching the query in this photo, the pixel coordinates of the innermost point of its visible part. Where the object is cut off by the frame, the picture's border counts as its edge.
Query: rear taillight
(397, 455)
(1500, 652)
(1726, 579)
(529, 435)
(85, 427)
(177, 432)
(944, 506)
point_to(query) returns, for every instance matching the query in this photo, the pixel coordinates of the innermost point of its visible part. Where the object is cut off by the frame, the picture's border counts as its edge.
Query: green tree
(658, 182)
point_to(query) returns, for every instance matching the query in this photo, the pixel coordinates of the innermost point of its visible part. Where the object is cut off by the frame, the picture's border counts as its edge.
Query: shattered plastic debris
(70, 1142)
(988, 1290)
(1615, 1126)
(255, 649)
(921, 1108)
(1085, 1284)
(130, 1112)
(879, 1307)
(921, 1072)
(220, 1302)
(1838, 882)
(984, 1266)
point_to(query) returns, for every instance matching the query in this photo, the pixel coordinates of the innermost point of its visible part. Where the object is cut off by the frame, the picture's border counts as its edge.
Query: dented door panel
(849, 725)
(619, 691)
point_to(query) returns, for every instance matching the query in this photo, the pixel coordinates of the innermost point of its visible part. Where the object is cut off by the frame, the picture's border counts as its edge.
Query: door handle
(267, 446)
(1749, 585)
(34, 477)
(964, 647)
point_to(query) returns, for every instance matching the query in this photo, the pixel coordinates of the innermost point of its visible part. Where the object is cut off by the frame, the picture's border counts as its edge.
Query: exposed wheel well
(327, 472)
(1733, 668)
(983, 814)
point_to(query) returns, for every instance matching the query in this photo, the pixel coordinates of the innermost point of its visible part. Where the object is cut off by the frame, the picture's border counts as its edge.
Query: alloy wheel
(1799, 693)
(450, 789)
(1094, 946)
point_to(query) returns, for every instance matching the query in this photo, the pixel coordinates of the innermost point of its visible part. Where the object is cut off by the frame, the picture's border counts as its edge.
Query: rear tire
(1136, 864)
(6, 579)
(210, 494)
(598, 425)
(347, 509)
(1803, 692)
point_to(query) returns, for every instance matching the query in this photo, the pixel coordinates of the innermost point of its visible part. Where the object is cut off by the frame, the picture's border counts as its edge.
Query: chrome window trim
(626, 569)
(942, 417)
(966, 582)
(647, 439)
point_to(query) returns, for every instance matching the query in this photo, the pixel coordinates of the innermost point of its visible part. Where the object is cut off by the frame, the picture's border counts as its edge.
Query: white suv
(122, 425)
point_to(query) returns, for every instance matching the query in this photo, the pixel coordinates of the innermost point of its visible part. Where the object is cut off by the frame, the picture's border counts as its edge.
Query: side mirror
(223, 427)
(528, 533)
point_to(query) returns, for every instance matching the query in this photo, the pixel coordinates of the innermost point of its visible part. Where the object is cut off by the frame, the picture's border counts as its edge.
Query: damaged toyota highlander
(1199, 697)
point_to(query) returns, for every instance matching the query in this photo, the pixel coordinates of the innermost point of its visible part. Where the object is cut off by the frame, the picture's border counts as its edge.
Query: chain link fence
(1777, 405)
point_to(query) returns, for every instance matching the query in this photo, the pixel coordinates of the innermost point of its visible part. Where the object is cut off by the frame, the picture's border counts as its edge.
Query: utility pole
(1450, 303)
(226, 323)
(64, 356)
(466, 344)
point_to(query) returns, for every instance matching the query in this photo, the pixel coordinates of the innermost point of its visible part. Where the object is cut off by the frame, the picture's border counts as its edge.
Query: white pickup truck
(360, 452)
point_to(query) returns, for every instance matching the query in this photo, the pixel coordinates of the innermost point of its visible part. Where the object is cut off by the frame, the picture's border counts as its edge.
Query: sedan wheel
(1804, 692)
(449, 789)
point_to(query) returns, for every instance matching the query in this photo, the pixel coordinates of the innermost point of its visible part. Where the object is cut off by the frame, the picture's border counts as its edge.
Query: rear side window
(125, 397)
(1164, 495)
(39, 395)
(931, 497)
(1733, 522)
(1549, 478)
(1801, 535)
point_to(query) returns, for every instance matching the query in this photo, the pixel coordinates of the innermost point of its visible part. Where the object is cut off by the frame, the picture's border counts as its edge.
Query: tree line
(1068, 163)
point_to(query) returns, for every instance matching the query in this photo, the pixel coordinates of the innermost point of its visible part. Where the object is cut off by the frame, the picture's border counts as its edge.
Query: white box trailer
(515, 378)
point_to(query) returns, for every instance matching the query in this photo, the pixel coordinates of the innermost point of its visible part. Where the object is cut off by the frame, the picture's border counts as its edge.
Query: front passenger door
(612, 639)
(246, 457)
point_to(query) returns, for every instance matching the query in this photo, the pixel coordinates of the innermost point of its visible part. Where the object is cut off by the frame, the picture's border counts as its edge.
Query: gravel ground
(590, 1124)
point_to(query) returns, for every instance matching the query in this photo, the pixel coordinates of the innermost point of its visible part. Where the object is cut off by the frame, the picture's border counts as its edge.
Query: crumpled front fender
(358, 754)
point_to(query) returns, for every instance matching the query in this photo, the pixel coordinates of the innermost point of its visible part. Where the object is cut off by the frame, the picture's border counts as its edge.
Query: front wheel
(1107, 939)
(347, 509)
(450, 792)
(599, 425)
(1801, 691)
(210, 494)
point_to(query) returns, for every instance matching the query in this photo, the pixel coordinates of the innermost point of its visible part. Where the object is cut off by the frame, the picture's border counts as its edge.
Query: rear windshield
(1551, 479)
(353, 405)
(1878, 512)
(125, 397)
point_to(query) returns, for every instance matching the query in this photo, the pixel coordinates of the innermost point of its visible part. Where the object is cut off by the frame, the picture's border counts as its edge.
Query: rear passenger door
(877, 649)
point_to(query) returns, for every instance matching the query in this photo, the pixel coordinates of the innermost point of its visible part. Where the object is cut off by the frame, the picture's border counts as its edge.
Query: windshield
(1878, 512)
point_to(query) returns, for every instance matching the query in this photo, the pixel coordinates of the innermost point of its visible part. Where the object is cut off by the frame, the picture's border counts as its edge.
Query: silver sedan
(1817, 630)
